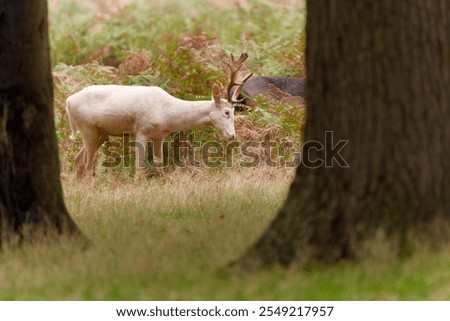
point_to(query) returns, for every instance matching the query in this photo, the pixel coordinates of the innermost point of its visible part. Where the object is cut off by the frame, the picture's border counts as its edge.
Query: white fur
(148, 113)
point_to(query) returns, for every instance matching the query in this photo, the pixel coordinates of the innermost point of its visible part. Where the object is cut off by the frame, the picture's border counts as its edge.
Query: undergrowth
(183, 47)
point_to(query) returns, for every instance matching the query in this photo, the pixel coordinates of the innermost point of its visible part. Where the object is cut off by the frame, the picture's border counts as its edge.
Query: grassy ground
(172, 237)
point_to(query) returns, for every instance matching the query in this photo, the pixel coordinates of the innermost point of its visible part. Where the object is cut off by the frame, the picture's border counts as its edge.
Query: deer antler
(234, 69)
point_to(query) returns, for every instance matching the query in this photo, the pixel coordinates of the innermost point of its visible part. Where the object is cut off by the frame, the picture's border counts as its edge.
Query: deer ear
(217, 93)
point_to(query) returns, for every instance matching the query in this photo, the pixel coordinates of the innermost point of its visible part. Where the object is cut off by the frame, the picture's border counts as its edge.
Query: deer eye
(227, 113)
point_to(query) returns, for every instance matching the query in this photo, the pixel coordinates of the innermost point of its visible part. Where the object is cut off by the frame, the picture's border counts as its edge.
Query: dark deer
(282, 89)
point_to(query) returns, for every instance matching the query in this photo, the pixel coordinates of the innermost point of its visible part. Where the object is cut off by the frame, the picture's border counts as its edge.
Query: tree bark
(378, 76)
(31, 197)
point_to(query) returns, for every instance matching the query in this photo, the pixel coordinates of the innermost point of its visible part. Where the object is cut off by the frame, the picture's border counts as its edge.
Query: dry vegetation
(171, 238)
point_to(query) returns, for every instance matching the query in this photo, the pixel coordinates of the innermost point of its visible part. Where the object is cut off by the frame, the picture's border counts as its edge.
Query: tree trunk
(31, 197)
(378, 77)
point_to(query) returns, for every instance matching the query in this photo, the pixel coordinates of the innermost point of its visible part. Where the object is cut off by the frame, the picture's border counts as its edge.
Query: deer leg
(80, 163)
(102, 139)
(158, 157)
(91, 144)
(141, 153)
(79, 156)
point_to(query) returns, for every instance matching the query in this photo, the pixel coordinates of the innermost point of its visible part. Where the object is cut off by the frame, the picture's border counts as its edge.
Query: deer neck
(190, 114)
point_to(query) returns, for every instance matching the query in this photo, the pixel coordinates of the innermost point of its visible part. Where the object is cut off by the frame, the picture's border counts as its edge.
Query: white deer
(148, 113)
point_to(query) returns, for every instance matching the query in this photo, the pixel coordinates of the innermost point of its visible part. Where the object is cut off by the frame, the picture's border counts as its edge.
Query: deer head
(222, 116)
(233, 93)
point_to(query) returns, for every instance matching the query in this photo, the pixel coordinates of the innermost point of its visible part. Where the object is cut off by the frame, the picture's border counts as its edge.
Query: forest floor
(173, 237)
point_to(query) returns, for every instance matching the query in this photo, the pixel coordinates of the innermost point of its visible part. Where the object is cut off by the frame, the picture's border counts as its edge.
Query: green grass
(172, 238)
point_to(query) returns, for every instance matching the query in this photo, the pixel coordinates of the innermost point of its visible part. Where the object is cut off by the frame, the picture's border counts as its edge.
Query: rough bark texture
(378, 76)
(31, 197)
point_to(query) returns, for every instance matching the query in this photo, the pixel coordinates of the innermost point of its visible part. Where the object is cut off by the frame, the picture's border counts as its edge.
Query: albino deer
(148, 113)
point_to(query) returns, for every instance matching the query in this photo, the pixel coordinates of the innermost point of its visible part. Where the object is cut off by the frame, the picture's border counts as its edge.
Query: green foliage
(169, 32)
(270, 32)
(181, 46)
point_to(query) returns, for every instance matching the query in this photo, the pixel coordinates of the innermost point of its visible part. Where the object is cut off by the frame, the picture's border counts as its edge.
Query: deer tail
(73, 126)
